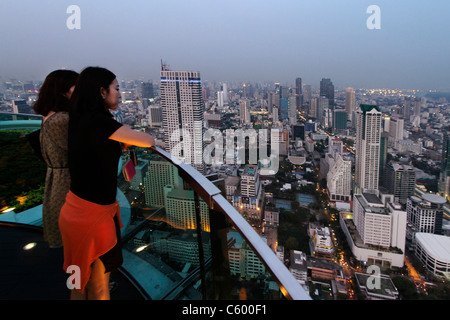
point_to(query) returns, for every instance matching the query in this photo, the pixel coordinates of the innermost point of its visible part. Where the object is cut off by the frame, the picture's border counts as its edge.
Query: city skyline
(234, 41)
(340, 234)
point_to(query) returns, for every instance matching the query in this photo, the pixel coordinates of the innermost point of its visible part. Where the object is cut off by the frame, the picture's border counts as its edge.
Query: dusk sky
(234, 40)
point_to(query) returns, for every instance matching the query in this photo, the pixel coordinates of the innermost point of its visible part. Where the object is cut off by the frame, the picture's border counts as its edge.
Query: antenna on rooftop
(164, 66)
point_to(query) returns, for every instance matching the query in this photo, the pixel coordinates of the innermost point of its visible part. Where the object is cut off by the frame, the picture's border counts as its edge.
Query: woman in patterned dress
(53, 104)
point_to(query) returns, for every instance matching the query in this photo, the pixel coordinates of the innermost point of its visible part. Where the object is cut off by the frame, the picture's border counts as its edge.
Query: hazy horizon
(234, 41)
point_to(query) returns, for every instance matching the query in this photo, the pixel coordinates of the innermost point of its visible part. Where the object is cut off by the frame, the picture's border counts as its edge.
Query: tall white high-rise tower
(182, 110)
(350, 102)
(368, 142)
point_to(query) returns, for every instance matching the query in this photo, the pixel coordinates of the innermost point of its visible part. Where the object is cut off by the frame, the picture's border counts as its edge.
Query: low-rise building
(326, 269)
(299, 267)
(376, 231)
(434, 252)
(321, 244)
(376, 286)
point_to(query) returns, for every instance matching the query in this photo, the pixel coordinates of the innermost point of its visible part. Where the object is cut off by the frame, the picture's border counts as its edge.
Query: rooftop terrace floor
(37, 274)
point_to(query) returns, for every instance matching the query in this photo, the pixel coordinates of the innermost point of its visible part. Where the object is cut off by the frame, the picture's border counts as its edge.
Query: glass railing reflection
(177, 247)
(161, 247)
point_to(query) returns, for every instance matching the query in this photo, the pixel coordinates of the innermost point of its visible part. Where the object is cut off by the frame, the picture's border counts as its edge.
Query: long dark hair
(51, 96)
(86, 97)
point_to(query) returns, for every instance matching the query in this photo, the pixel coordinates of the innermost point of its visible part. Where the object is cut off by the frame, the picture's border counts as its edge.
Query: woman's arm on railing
(133, 137)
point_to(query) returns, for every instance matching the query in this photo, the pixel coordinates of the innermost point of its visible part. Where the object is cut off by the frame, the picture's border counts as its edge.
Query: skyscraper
(340, 120)
(368, 139)
(313, 107)
(444, 178)
(327, 90)
(417, 106)
(220, 99)
(350, 102)
(179, 205)
(159, 174)
(322, 105)
(307, 93)
(384, 141)
(407, 108)
(298, 92)
(275, 115)
(147, 90)
(225, 92)
(400, 181)
(154, 116)
(292, 110)
(283, 92)
(298, 86)
(271, 97)
(339, 178)
(251, 192)
(396, 129)
(183, 108)
(284, 108)
(327, 121)
(425, 214)
(165, 188)
(298, 131)
(244, 113)
(416, 114)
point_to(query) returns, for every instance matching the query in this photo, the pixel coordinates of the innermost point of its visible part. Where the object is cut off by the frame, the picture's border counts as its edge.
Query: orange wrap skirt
(88, 231)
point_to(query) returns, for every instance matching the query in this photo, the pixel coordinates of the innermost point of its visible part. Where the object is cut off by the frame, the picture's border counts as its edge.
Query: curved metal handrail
(211, 194)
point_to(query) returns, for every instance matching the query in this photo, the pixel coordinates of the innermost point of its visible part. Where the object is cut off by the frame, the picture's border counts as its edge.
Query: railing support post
(201, 255)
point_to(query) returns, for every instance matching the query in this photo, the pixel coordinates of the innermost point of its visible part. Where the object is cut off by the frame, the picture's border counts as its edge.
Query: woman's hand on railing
(132, 137)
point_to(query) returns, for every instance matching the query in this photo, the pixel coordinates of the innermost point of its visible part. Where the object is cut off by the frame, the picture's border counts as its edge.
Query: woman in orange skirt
(90, 218)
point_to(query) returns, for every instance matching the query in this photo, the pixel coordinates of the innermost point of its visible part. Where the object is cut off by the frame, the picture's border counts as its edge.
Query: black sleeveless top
(93, 157)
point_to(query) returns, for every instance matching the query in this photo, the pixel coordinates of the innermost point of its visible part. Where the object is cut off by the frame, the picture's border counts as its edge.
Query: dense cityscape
(355, 204)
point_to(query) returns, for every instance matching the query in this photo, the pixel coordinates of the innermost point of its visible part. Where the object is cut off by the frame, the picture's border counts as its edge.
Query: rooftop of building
(368, 107)
(179, 194)
(397, 166)
(436, 245)
(428, 201)
(298, 260)
(385, 289)
(434, 198)
(323, 231)
(371, 203)
(322, 263)
(372, 198)
(250, 170)
(232, 181)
